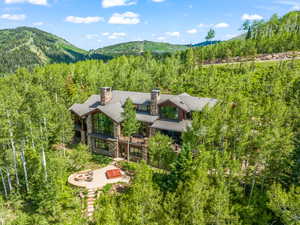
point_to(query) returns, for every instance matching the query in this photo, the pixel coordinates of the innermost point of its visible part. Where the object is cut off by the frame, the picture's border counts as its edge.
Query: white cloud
(35, 2)
(13, 17)
(230, 36)
(295, 5)
(202, 25)
(192, 31)
(221, 25)
(38, 24)
(86, 20)
(116, 35)
(125, 18)
(105, 34)
(158, 0)
(113, 3)
(173, 34)
(252, 17)
(161, 38)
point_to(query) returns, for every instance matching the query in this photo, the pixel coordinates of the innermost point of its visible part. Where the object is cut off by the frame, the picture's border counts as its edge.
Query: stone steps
(91, 198)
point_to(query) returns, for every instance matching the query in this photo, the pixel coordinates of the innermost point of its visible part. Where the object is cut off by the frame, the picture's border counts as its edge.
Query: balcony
(134, 141)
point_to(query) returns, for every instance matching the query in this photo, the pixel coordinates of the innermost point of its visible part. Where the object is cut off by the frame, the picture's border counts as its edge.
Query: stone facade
(155, 96)
(89, 126)
(105, 95)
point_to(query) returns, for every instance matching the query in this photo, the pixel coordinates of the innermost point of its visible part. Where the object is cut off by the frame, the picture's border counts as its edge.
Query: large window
(143, 108)
(169, 112)
(102, 124)
(176, 136)
(136, 153)
(99, 144)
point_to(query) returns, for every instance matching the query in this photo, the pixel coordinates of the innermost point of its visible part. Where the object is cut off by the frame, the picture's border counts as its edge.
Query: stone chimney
(105, 95)
(155, 96)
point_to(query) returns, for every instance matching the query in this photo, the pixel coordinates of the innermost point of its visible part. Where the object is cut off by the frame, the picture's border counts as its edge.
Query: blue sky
(91, 24)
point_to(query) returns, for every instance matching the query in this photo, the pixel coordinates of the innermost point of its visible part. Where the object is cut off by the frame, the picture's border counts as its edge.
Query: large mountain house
(98, 121)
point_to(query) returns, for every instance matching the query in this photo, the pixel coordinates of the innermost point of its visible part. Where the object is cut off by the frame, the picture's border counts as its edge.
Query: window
(135, 152)
(169, 112)
(101, 145)
(142, 108)
(189, 116)
(102, 124)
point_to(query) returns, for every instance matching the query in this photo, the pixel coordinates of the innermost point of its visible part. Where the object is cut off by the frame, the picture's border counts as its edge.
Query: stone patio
(94, 180)
(99, 179)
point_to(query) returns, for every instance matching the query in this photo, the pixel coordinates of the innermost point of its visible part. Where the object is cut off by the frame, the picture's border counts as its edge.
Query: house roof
(189, 103)
(179, 126)
(114, 108)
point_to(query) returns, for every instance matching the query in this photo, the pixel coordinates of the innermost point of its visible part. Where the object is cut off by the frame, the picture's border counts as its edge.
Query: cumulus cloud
(221, 25)
(252, 17)
(86, 20)
(192, 31)
(13, 17)
(173, 34)
(161, 38)
(125, 18)
(116, 35)
(38, 24)
(201, 25)
(35, 2)
(158, 0)
(113, 3)
(294, 4)
(105, 34)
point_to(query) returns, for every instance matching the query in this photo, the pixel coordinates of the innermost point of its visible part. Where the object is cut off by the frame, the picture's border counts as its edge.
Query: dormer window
(143, 108)
(169, 112)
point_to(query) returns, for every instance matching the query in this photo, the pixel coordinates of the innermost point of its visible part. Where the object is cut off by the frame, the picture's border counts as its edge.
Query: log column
(89, 126)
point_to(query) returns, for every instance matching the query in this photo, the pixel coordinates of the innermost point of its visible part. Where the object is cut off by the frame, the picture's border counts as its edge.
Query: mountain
(28, 47)
(205, 43)
(139, 47)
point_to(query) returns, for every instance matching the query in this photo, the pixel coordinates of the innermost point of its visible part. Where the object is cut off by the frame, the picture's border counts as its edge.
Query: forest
(279, 34)
(29, 47)
(246, 170)
(239, 162)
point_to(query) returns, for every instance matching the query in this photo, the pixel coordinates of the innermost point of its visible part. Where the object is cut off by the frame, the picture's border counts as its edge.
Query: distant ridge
(28, 47)
(139, 47)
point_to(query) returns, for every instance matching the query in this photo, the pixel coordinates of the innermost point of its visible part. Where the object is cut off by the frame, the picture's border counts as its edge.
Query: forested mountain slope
(140, 47)
(274, 36)
(246, 172)
(27, 47)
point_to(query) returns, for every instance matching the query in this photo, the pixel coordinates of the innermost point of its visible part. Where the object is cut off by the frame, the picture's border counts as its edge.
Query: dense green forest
(246, 170)
(28, 47)
(140, 47)
(279, 34)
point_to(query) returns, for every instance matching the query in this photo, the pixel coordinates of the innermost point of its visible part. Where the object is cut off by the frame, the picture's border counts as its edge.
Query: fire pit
(111, 174)
(86, 176)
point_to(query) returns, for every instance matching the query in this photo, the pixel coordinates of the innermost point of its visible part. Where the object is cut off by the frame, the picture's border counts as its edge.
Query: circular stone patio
(98, 178)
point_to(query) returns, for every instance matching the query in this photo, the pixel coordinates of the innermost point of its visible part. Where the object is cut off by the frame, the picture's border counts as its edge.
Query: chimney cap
(105, 88)
(156, 90)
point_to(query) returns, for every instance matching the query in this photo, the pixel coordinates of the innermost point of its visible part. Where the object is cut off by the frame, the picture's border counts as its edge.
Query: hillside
(277, 35)
(27, 47)
(247, 171)
(139, 47)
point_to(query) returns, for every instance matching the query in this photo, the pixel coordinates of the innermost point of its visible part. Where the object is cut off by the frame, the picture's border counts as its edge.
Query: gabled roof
(114, 108)
(189, 103)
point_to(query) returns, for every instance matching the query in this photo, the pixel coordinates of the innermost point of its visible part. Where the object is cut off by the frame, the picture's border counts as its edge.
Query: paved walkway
(98, 182)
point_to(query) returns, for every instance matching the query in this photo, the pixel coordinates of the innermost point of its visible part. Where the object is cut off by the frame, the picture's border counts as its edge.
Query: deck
(135, 141)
